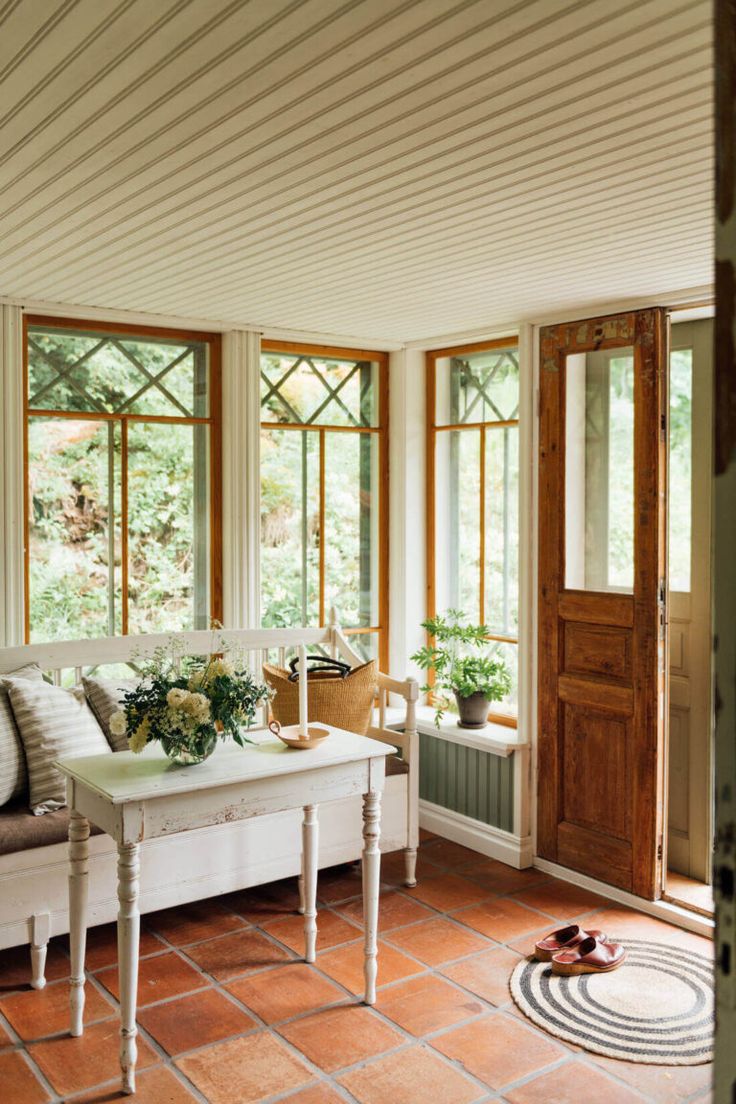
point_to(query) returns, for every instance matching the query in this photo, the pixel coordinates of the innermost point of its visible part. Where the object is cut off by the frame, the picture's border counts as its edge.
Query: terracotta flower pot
(473, 710)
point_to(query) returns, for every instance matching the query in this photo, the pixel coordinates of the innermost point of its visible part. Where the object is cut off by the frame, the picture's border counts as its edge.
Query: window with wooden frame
(473, 493)
(122, 459)
(324, 490)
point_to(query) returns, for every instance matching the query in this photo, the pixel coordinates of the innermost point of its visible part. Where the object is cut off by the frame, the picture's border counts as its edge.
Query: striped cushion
(53, 723)
(13, 774)
(106, 697)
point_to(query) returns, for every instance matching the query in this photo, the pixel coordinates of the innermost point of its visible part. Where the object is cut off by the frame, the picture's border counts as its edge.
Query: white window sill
(497, 739)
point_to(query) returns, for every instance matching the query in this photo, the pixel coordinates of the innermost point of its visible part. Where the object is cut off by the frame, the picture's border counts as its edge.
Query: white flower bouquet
(187, 704)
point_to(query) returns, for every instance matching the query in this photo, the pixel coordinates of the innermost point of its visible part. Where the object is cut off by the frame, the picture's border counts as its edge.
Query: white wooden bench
(218, 859)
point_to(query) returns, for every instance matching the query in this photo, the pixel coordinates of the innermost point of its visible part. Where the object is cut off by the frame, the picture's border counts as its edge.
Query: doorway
(690, 758)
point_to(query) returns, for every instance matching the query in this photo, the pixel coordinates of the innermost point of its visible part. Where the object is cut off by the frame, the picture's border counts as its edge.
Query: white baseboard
(490, 841)
(663, 910)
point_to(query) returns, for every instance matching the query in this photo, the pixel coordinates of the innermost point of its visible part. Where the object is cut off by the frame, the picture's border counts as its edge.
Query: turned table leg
(128, 940)
(371, 881)
(301, 886)
(78, 893)
(410, 867)
(310, 846)
(40, 925)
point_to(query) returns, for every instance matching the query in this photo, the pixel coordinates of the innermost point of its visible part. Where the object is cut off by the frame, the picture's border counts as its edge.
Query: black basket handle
(321, 663)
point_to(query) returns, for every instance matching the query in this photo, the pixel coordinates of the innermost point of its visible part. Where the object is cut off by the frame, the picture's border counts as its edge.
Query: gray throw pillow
(106, 697)
(53, 724)
(13, 773)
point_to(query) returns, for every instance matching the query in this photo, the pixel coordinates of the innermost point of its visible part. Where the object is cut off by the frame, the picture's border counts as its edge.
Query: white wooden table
(137, 797)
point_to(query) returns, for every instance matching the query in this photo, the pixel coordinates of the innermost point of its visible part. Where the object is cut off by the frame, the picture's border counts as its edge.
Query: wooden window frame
(380, 431)
(213, 420)
(431, 358)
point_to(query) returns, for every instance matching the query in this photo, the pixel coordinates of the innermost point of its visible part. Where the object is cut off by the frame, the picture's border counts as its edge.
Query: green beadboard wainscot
(466, 780)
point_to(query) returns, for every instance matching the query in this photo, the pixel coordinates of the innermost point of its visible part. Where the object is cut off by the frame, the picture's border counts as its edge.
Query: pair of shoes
(572, 950)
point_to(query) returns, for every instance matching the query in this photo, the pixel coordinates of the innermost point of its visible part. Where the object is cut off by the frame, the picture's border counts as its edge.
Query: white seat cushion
(53, 724)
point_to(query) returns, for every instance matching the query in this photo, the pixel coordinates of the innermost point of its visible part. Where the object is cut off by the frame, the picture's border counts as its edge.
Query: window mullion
(111, 528)
(124, 522)
(506, 530)
(305, 528)
(322, 527)
(482, 525)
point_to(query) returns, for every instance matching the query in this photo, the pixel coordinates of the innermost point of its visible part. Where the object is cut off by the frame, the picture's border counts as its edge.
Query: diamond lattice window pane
(311, 390)
(485, 386)
(113, 374)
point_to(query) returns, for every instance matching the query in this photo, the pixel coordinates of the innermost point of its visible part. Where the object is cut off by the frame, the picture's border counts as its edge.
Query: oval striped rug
(656, 1008)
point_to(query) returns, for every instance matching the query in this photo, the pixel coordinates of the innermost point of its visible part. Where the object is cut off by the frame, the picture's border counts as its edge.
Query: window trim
(380, 430)
(431, 358)
(213, 420)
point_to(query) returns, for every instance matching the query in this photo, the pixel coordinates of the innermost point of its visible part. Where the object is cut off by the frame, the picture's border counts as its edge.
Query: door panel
(595, 757)
(601, 573)
(590, 649)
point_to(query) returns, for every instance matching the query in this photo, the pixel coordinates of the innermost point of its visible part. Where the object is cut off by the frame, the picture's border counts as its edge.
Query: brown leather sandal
(571, 936)
(589, 957)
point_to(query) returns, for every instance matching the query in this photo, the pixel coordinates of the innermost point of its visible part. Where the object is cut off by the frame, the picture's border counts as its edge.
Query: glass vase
(188, 755)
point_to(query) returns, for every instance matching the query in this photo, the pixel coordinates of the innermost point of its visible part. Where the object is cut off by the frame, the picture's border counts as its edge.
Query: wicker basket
(343, 702)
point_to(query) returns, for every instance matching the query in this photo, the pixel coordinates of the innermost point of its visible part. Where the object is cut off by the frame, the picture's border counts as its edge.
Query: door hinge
(663, 426)
(660, 850)
(662, 607)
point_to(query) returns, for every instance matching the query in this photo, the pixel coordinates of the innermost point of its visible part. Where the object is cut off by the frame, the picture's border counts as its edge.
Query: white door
(690, 819)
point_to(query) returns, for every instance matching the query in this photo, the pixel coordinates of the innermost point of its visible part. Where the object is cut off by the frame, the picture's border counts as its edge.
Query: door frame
(578, 335)
(700, 766)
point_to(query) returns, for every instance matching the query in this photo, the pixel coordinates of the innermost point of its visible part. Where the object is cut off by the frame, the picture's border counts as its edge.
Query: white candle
(303, 711)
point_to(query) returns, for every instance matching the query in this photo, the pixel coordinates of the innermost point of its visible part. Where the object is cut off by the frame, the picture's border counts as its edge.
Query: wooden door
(602, 588)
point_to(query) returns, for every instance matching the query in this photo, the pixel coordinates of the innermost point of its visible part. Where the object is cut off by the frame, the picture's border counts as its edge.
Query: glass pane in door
(680, 468)
(599, 470)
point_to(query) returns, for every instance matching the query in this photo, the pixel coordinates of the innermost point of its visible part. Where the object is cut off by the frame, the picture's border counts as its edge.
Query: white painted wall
(11, 476)
(407, 525)
(241, 479)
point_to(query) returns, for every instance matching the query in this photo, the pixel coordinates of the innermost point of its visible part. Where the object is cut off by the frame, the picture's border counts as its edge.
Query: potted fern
(466, 664)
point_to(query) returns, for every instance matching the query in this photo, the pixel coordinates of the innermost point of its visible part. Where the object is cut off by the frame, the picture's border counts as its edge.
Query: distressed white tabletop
(124, 776)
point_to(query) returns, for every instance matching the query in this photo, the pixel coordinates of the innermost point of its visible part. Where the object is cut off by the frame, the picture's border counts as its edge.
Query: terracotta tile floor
(228, 1014)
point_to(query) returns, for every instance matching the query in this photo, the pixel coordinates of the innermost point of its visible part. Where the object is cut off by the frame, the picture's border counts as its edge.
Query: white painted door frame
(690, 784)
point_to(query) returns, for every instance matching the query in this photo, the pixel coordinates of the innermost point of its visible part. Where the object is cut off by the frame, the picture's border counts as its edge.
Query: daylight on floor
(367, 587)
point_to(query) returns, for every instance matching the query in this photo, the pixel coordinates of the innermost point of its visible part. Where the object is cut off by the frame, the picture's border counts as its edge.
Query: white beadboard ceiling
(395, 170)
